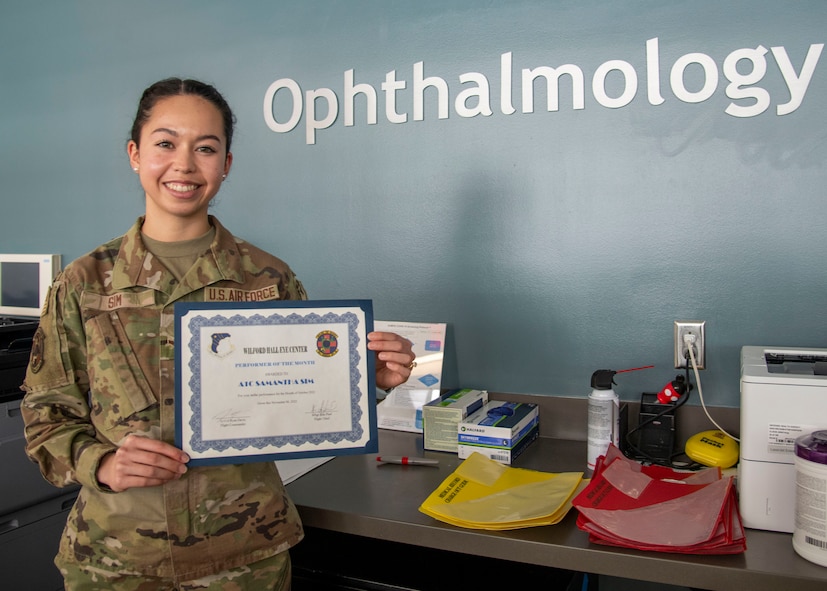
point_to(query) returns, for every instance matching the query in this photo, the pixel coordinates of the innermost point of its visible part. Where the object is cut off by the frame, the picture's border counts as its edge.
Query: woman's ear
(134, 158)
(228, 164)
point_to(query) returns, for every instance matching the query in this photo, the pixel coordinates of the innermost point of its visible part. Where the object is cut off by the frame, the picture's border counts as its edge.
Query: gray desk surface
(352, 494)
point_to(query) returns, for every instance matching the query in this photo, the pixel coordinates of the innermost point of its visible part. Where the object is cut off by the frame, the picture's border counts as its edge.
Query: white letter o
(599, 84)
(710, 73)
(270, 95)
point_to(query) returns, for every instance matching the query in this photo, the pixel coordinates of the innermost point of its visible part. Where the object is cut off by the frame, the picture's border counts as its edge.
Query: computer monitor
(24, 282)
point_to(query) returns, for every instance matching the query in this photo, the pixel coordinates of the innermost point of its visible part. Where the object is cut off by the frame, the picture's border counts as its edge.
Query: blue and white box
(499, 430)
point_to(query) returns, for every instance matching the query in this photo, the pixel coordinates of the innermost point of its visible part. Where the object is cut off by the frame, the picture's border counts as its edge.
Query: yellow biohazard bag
(484, 494)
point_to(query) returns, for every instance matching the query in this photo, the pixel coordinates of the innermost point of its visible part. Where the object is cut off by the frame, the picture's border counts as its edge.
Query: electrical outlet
(683, 328)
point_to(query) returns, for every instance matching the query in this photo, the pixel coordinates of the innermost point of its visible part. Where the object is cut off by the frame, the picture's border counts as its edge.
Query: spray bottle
(604, 414)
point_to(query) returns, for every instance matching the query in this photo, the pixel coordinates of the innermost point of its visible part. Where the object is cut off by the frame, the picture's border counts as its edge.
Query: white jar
(810, 533)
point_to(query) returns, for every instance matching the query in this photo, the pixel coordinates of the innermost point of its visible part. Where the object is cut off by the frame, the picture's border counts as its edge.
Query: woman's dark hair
(176, 87)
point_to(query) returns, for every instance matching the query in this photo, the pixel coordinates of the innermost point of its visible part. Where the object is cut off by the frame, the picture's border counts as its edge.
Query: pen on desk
(407, 460)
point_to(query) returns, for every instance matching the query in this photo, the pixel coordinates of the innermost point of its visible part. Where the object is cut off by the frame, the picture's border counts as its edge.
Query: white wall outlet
(695, 331)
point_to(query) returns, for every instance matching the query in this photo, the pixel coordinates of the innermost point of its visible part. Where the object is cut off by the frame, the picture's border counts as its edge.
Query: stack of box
(499, 430)
(441, 416)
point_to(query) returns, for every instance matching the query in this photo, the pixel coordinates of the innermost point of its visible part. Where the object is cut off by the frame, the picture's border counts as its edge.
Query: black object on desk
(656, 431)
(16, 336)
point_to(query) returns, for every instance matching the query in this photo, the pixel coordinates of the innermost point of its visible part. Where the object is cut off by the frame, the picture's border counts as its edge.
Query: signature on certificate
(324, 410)
(231, 417)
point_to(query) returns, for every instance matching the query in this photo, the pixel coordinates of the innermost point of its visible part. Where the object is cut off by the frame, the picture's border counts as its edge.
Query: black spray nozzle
(603, 379)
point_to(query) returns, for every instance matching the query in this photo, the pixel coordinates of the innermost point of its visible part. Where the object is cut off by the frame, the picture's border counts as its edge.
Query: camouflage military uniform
(102, 367)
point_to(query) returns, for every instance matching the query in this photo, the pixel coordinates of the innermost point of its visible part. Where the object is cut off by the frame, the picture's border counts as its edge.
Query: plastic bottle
(604, 416)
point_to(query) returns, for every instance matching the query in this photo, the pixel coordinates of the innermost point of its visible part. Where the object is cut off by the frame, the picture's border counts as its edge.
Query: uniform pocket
(119, 388)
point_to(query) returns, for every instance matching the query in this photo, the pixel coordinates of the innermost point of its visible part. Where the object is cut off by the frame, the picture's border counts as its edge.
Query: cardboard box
(501, 454)
(499, 430)
(441, 416)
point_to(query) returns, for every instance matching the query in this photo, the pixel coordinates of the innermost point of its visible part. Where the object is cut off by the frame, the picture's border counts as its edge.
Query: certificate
(274, 380)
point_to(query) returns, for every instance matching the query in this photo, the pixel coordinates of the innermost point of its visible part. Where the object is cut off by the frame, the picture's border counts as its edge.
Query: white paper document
(290, 470)
(401, 410)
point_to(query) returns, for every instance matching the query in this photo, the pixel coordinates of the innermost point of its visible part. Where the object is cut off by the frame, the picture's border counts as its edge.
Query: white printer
(783, 395)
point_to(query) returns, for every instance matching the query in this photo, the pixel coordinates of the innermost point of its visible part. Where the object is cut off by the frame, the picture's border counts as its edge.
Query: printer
(783, 395)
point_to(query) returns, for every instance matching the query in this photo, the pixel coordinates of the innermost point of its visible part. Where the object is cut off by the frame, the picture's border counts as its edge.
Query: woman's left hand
(394, 358)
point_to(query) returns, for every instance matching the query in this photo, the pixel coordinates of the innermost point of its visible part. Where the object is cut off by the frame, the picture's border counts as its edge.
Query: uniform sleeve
(297, 288)
(59, 434)
(292, 287)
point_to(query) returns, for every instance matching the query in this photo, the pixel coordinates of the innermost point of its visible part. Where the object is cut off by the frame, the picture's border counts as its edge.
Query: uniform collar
(135, 265)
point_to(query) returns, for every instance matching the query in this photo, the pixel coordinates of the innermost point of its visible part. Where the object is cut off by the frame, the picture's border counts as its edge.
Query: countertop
(353, 494)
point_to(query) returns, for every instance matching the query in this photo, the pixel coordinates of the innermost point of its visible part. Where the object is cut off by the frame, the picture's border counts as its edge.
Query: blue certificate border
(277, 312)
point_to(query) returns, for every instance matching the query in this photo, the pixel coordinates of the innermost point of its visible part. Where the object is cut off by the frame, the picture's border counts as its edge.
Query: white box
(441, 416)
(499, 430)
(504, 455)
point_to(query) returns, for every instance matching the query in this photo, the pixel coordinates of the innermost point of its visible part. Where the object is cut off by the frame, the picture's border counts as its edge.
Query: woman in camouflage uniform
(99, 405)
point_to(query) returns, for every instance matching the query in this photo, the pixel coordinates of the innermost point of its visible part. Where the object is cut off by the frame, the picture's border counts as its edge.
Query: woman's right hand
(141, 461)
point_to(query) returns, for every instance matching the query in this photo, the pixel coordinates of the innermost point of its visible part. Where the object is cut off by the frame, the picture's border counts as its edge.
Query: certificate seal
(327, 343)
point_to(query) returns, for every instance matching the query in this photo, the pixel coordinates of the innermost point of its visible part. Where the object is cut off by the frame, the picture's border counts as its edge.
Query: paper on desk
(484, 494)
(292, 469)
(401, 410)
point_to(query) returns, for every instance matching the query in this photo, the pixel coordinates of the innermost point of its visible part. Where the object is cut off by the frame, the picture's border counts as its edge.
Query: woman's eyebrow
(165, 130)
(175, 133)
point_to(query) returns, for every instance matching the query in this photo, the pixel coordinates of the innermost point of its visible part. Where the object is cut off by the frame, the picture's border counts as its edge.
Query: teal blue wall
(552, 243)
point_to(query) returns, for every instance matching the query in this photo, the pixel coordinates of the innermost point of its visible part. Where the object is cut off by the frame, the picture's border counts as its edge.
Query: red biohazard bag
(660, 509)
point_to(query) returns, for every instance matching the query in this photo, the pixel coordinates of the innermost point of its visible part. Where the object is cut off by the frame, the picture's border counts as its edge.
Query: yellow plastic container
(713, 448)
